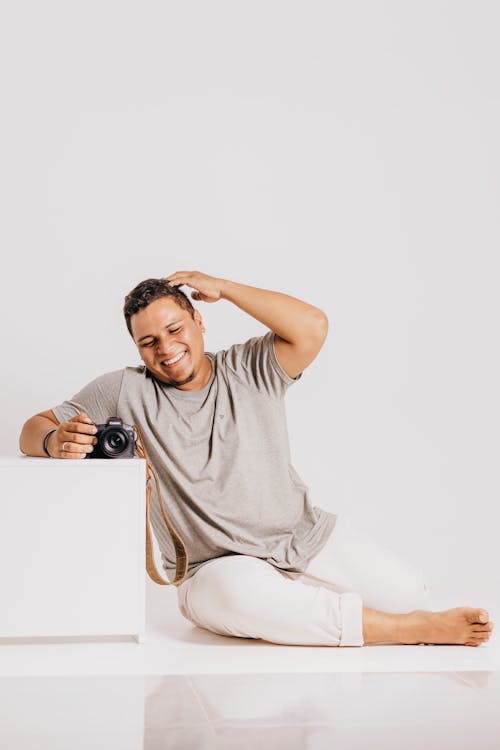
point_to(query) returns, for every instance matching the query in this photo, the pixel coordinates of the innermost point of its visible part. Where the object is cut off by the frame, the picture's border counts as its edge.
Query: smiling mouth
(173, 364)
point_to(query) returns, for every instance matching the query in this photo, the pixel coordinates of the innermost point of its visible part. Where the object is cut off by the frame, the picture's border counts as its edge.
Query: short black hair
(150, 290)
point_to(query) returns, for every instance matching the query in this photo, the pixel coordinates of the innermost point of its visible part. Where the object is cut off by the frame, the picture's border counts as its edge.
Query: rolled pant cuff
(351, 608)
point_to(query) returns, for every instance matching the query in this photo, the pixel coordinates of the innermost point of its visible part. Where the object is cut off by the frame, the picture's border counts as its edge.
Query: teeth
(175, 359)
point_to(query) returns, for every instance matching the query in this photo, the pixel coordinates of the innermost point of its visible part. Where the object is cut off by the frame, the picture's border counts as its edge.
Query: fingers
(74, 450)
(60, 448)
(187, 278)
(178, 274)
(207, 288)
(178, 278)
(78, 430)
(74, 438)
(81, 417)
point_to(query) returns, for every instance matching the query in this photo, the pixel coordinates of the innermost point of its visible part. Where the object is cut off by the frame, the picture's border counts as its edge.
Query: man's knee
(223, 592)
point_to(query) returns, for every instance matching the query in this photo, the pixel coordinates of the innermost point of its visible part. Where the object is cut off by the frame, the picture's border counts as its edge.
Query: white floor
(188, 688)
(174, 646)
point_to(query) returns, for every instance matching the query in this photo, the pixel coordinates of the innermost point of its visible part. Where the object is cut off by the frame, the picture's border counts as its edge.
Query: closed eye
(150, 343)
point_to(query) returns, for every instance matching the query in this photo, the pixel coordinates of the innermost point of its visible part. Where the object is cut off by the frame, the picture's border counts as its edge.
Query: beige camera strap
(181, 556)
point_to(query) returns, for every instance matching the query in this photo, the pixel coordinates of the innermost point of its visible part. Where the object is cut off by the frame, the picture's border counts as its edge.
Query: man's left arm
(300, 328)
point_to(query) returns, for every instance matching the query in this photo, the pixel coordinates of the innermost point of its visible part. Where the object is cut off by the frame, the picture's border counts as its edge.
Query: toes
(480, 637)
(482, 628)
(478, 615)
(477, 628)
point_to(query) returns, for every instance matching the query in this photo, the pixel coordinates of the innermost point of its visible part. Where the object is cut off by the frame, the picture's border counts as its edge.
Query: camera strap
(181, 556)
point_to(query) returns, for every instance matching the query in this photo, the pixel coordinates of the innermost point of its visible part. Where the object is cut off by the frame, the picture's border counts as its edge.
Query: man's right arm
(77, 433)
(34, 431)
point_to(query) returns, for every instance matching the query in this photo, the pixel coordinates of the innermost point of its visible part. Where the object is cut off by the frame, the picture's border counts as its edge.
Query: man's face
(162, 331)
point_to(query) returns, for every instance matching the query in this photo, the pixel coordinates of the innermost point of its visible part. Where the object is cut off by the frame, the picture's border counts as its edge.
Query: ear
(199, 320)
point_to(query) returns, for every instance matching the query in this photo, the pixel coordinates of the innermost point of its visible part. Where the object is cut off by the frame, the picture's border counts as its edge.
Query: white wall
(344, 153)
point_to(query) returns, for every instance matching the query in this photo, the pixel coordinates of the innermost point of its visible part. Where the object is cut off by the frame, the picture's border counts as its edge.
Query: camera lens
(114, 442)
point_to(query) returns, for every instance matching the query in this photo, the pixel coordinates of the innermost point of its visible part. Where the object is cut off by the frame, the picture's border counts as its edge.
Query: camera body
(114, 440)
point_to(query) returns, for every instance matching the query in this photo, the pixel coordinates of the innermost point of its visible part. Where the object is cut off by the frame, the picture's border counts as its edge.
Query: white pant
(247, 597)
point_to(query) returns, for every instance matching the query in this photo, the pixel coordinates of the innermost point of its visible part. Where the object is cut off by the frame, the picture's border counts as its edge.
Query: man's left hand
(207, 288)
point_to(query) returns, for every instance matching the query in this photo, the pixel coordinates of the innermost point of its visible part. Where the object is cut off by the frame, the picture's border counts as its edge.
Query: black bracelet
(45, 440)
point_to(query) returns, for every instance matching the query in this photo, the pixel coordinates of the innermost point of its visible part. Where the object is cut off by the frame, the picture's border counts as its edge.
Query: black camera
(114, 440)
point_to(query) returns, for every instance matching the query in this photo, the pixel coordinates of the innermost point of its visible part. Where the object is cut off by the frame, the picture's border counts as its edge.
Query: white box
(72, 547)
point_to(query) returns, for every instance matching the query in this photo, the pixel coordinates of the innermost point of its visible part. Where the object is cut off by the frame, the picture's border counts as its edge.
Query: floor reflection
(245, 712)
(352, 710)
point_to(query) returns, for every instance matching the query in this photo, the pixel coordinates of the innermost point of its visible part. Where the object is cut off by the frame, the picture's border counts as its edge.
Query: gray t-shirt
(222, 457)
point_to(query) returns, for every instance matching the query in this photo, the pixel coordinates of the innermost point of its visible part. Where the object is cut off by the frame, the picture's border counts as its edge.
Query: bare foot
(462, 625)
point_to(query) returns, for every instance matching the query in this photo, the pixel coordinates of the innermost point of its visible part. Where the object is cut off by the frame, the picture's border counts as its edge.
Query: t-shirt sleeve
(98, 399)
(254, 362)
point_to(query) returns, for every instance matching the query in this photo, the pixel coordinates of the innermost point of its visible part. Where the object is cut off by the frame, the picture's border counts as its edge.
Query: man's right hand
(73, 439)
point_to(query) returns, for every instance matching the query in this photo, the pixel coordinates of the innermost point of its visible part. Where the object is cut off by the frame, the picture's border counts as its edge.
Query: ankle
(413, 626)
(384, 627)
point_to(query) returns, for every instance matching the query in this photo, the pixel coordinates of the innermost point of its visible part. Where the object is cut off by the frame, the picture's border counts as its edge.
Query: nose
(167, 349)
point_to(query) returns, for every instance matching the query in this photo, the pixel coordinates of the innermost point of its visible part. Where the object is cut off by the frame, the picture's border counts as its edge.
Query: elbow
(322, 324)
(21, 438)
(316, 331)
(23, 447)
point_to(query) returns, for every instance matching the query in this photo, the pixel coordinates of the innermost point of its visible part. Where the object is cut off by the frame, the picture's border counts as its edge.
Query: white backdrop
(344, 153)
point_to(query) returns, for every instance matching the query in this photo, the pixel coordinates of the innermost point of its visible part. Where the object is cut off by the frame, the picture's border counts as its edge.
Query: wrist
(46, 440)
(224, 288)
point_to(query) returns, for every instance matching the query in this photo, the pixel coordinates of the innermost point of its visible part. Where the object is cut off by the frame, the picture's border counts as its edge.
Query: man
(263, 562)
